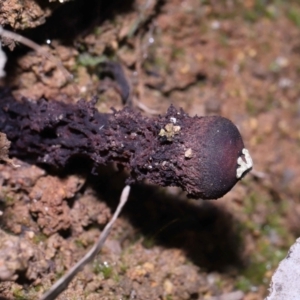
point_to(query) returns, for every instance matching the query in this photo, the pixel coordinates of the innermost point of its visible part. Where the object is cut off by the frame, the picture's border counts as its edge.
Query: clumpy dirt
(238, 59)
(22, 14)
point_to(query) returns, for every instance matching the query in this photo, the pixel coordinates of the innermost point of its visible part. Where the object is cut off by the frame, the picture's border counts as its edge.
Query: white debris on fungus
(173, 120)
(244, 165)
(169, 131)
(188, 153)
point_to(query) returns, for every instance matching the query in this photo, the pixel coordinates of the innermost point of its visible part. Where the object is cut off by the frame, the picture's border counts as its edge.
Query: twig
(29, 43)
(144, 107)
(63, 282)
(140, 83)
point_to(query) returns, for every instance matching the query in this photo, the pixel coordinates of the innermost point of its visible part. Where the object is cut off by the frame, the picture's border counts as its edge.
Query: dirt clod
(49, 205)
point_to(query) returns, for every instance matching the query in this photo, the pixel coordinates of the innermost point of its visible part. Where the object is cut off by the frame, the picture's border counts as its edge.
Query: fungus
(205, 156)
(244, 166)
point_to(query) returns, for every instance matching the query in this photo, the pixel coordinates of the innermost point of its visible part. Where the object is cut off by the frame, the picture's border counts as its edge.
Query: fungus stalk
(205, 156)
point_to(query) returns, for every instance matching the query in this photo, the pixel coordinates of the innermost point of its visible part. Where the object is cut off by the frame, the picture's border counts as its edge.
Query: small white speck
(254, 288)
(285, 83)
(101, 127)
(215, 25)
(106, 264)
(281, 61)
(45, 158)
(48, 41)
(83, 89)
(188, 153)
(46, 208)
(151, 40)
(173, 120)
(30, 234)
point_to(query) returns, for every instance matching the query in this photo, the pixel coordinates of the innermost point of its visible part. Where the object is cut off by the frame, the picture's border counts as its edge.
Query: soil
(238, 59)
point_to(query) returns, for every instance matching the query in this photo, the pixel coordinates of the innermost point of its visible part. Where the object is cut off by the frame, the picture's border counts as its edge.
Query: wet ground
(238, 59)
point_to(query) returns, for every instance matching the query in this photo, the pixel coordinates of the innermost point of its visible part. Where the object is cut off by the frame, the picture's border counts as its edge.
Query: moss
(8, 200)
(250, 203)
(177, 53)
(274, 67)
(79, 244)
(262, 9)
(123, 268)
(220, 62)
(220, 284)
(39, 237)
(161, 63)
(293, 14)
(87, 60)
(103, 268)
(107, 271)
(38, 288)
(251, 108)
(98, 31)
(224, 39)
(19, 294)
(59, 274)
(243, 284)
(149, 242)
(265, 258)
(116, 278)
(270, 236)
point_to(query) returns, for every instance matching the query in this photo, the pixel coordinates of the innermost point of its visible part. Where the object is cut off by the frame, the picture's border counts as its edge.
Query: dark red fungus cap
(217, 145)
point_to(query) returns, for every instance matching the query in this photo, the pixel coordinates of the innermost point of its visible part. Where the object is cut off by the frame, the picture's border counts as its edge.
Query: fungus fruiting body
(244, 165)
(205, 156)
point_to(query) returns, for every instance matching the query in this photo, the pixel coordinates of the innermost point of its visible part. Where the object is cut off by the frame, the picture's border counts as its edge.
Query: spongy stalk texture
(198, 154)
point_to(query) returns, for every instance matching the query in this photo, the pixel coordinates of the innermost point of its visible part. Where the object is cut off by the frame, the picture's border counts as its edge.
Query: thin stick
(63, 282)
(29, 43)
